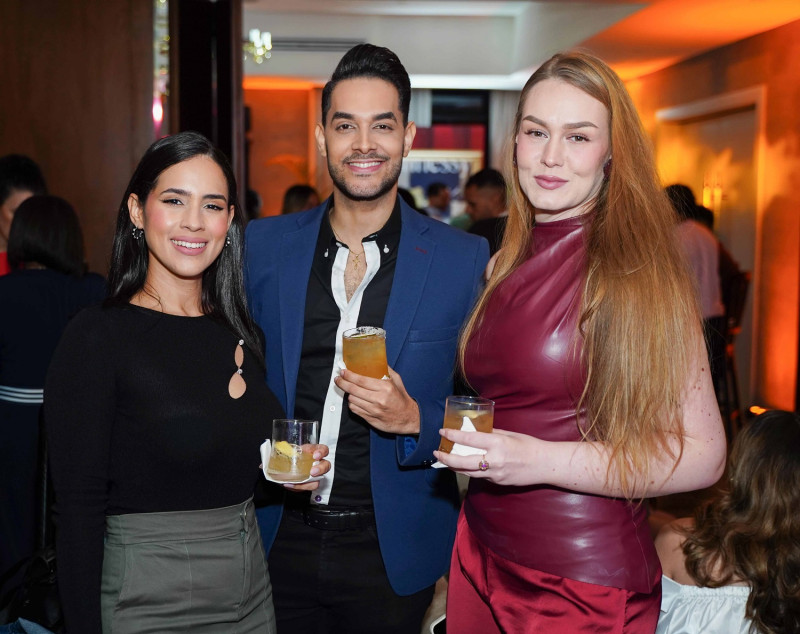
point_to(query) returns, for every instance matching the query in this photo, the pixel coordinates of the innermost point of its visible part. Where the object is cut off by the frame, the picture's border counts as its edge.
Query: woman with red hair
(589, 340)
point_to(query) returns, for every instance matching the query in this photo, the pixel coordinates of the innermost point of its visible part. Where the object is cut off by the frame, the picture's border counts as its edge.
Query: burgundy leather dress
(526, 357)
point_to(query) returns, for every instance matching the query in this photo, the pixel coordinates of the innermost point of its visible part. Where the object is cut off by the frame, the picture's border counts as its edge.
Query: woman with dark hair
(48, 236)
(45, 288)
(588, 338)
(735, 567)
(156, 406)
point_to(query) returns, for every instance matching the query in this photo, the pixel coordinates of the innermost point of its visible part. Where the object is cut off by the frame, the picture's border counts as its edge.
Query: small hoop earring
(137, 233)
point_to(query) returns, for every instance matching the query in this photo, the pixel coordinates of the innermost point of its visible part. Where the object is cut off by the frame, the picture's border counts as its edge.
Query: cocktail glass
(292, 449)
(460, 409)
(364, 351)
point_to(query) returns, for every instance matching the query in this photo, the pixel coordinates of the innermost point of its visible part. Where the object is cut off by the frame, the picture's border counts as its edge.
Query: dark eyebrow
(385, 115)
(378, 117)
(568, 126)
(175, 190)
(183, 192)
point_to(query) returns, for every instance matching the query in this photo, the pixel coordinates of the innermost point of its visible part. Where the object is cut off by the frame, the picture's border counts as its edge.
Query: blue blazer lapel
(414, 257)
(294, 269)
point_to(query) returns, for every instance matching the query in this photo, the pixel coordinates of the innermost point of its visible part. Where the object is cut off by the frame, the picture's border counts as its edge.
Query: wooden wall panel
(282, 147)
(76, 83)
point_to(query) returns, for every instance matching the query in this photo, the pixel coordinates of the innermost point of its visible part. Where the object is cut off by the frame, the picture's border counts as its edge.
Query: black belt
(338, 519)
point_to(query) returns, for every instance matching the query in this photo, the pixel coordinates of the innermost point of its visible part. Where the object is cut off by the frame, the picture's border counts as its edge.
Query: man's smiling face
(364, 139)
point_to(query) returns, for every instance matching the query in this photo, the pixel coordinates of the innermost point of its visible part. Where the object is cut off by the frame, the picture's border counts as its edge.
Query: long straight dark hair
(223, 295)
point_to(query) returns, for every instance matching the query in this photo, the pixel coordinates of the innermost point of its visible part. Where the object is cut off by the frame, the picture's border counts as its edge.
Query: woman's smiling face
(562, 146)
(185, 219)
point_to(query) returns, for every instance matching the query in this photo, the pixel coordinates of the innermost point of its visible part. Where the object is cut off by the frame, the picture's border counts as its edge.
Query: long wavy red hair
(639, 323)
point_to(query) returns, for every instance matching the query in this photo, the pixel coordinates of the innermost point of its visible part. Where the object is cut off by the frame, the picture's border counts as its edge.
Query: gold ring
(483, 465)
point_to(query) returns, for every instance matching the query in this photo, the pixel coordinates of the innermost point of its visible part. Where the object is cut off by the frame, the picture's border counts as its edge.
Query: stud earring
(137, 233)
(227, 241)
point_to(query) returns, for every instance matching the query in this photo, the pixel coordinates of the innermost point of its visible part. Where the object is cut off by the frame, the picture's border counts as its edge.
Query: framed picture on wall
(451, 167)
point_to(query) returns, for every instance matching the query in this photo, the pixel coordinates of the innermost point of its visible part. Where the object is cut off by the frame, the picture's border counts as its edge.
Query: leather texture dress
(526, 357)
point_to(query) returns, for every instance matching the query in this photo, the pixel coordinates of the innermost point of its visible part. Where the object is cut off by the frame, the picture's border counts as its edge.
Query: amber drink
(479, 411)
(364, 351)
(292, 449)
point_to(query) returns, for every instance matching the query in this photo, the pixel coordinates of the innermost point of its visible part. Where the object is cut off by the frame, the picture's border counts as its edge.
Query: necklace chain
(355, 255)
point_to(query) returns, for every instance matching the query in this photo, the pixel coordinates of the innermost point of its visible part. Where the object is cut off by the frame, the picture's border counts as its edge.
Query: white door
(715, 155)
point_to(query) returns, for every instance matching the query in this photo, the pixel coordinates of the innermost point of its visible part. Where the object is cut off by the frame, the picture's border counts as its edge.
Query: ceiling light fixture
(258, 46)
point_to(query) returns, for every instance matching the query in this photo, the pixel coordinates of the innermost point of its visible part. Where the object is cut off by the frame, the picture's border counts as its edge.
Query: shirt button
(318, 498)
(333, 408)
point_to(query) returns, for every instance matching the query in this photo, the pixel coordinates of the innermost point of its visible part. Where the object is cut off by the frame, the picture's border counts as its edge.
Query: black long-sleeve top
(139, 419)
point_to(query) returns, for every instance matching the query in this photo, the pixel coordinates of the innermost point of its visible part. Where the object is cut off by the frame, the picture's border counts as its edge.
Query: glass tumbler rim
(472, 400)
(364, 331)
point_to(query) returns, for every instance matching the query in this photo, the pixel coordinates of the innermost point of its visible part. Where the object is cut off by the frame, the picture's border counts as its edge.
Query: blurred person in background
(47, 285)
(252, 204)
(20, 178)
(702, 250)
(406, 195)
(299, 198)
(486, 196)
(438, 195)
(734, 567)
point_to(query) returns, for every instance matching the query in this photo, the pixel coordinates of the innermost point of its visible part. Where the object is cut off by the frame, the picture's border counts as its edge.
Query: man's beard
(385, 186)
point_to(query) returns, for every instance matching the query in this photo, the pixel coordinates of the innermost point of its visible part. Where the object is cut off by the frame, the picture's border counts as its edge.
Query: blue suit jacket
(437, 278)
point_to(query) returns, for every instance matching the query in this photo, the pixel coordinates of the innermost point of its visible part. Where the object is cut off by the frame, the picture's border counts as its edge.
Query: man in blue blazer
(363, 551)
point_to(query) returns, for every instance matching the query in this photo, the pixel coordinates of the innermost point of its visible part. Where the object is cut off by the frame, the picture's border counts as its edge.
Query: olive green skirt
(202, 572)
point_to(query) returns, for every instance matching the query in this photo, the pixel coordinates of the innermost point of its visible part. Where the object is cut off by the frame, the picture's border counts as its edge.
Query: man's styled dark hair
(19, 173)
(370, 61)
(487, 178)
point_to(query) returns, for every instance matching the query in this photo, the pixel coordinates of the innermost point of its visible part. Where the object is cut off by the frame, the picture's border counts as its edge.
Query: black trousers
(334, 582)
(714, 331)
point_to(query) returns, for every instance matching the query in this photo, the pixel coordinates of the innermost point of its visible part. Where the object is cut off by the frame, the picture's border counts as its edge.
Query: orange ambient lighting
(663, 24)
(277, 83)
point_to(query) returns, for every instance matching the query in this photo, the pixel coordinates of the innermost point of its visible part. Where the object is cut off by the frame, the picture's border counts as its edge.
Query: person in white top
(735, 567)
(702, 251)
